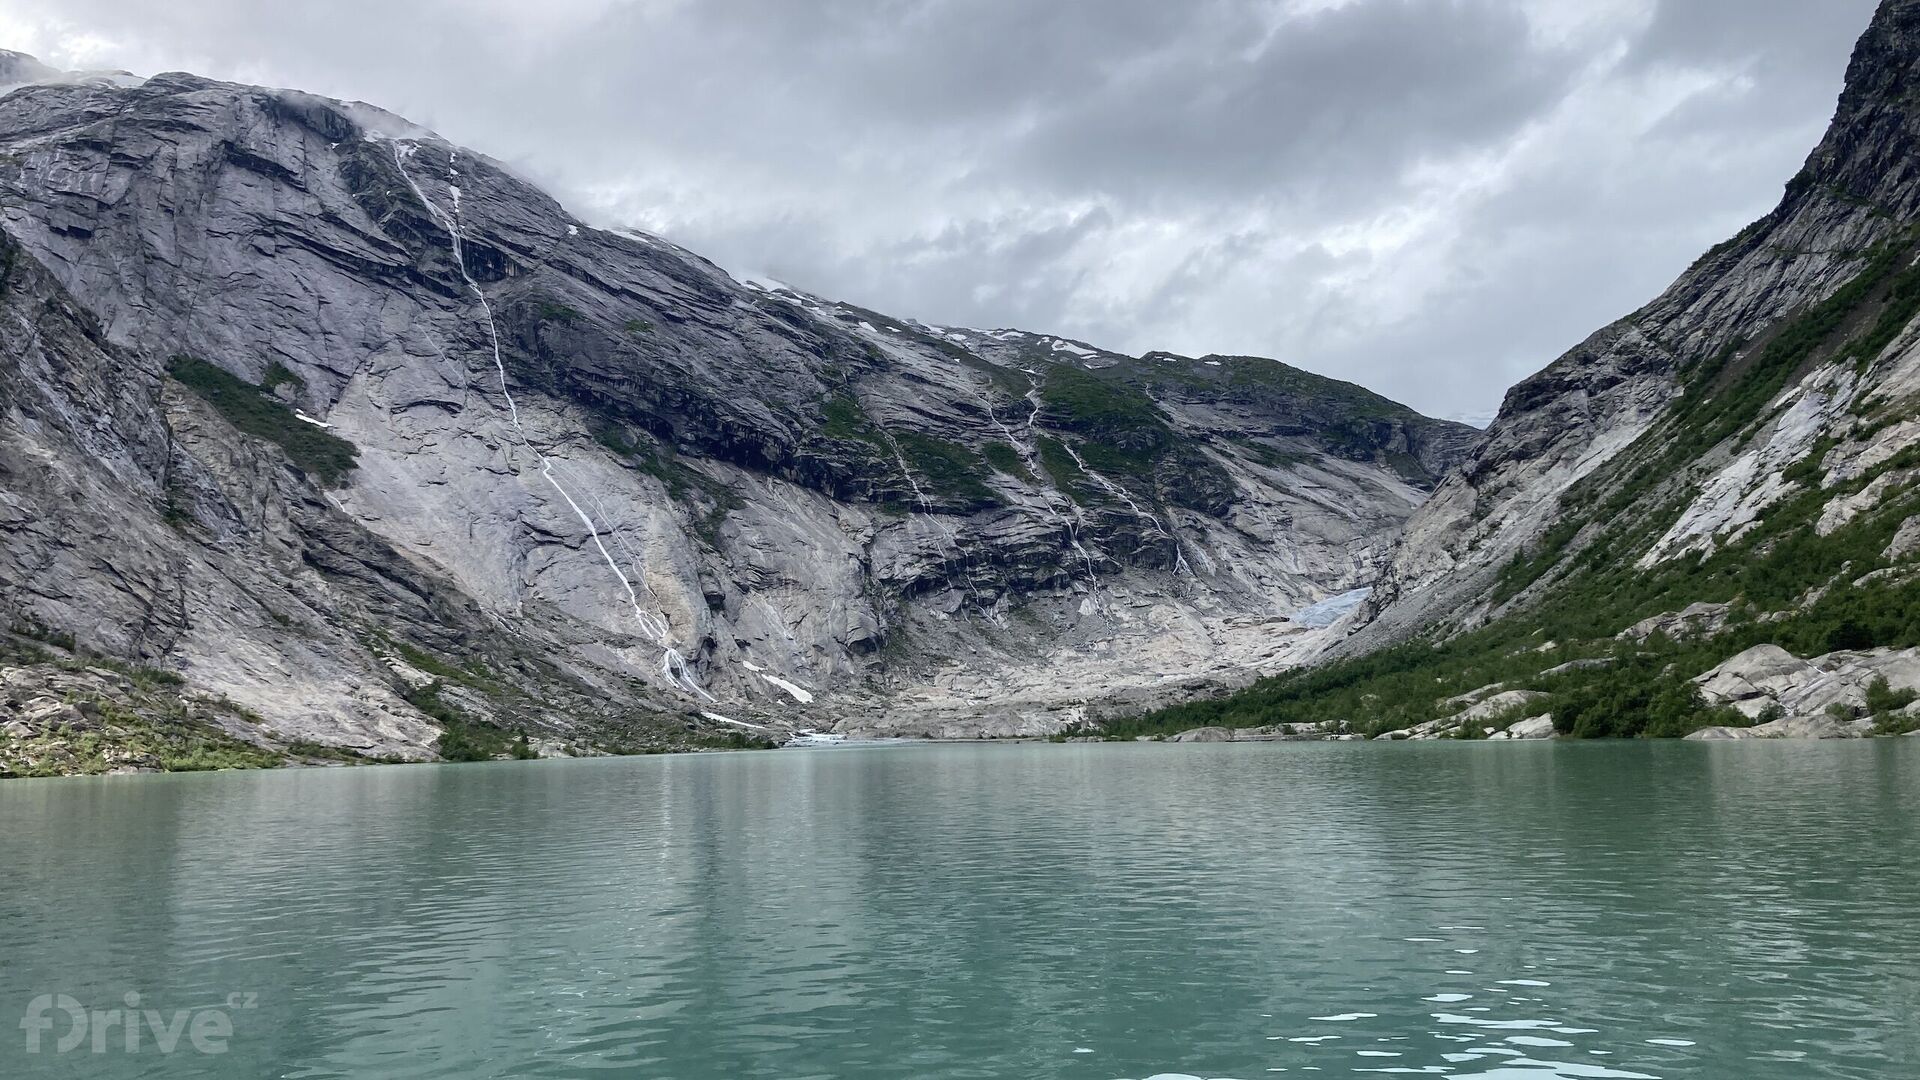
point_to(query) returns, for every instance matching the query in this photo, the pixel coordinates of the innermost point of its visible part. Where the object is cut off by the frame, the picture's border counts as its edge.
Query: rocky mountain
(334, 436)
(1727, 471)
(1753, 405)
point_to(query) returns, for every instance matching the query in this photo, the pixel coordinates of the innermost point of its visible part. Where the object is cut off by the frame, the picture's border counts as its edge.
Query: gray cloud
(1432, 197)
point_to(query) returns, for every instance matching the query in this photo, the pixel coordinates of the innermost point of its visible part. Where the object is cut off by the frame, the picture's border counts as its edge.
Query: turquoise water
(1086, 911)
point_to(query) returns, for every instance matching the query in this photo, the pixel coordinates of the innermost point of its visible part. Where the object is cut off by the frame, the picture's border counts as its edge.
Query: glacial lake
(1092, 912)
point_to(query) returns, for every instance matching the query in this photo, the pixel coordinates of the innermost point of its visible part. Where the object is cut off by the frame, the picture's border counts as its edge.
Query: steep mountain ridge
(1856, 198)
(398, 444)
(1730, 472)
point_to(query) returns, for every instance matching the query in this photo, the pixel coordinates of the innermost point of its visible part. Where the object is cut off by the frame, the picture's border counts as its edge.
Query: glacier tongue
(1329, 611)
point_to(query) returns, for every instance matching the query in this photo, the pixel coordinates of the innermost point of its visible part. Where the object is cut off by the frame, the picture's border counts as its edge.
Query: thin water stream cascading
(652, 627)
(1027, 455)
(949, 544)
(1180, 565)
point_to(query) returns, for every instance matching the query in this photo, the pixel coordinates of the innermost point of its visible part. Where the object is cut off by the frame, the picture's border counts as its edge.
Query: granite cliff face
(1703, 521)
(1783, 362)
(357, 432)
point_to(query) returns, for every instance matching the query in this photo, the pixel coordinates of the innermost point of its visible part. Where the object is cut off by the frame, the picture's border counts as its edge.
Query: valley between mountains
(324, 440)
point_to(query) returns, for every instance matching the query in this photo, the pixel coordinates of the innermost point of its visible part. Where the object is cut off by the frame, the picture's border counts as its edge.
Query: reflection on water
(1083, 911)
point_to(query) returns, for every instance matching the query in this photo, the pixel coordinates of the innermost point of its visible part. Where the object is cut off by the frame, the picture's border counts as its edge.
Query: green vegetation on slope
(1005, 458)
(1789, 586)
(255, 411)
(1067, 475)
(947, 467)
(940, 467)
(1121, 434)
(144, 722)
(1270, 382)
(461, 737)
(1342, 417)
(845, 418)
(1121, 430)
(1721, 398)
(716, 499)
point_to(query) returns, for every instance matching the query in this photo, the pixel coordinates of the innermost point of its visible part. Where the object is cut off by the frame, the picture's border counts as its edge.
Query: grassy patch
(942, 468)
(1005, 458)
(1121, 430)
(119, 737)
(59, 639)
(463, 738)
(551, 310)
(947, 468)
(473, 676)
(1271, 456)
(312, 751)
(254, 411)
(844, 418)
(1066, 473)
(278, 374)
(1259, 379)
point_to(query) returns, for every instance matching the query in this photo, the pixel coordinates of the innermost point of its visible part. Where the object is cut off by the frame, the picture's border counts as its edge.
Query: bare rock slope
(356, 430)
(1782, 362)
(1724, 481)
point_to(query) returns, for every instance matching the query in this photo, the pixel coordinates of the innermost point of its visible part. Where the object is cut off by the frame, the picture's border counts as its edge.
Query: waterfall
(653, 627)
(1180, 565)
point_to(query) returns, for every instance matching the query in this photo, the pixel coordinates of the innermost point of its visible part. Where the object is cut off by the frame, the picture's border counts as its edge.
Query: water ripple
(1089, 912)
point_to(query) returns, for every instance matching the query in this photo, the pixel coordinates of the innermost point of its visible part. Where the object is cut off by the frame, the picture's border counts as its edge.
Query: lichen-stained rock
(1756, 679)
(1906, 541)
(1534, 727)
(1694, 620)
(1789, 727)
(1768, 679)
(270, 442)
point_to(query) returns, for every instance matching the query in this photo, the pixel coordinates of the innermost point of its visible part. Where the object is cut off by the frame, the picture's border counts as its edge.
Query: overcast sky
(1430, 197)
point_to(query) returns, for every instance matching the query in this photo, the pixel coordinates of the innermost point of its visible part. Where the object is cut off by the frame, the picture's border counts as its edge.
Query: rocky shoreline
(1846, 694)
(95, 716)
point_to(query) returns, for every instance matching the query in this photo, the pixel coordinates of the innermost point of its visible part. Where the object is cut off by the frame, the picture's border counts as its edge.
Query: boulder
(1694, 620)
(1589, 664)
(1473, 697)
(1506, 701)
(1906, 541)
(1790, 727)
(1204, 734)
(1768, 678)
(1535, 727)
(1754, 680)
(1719, 734)
(46, 714)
